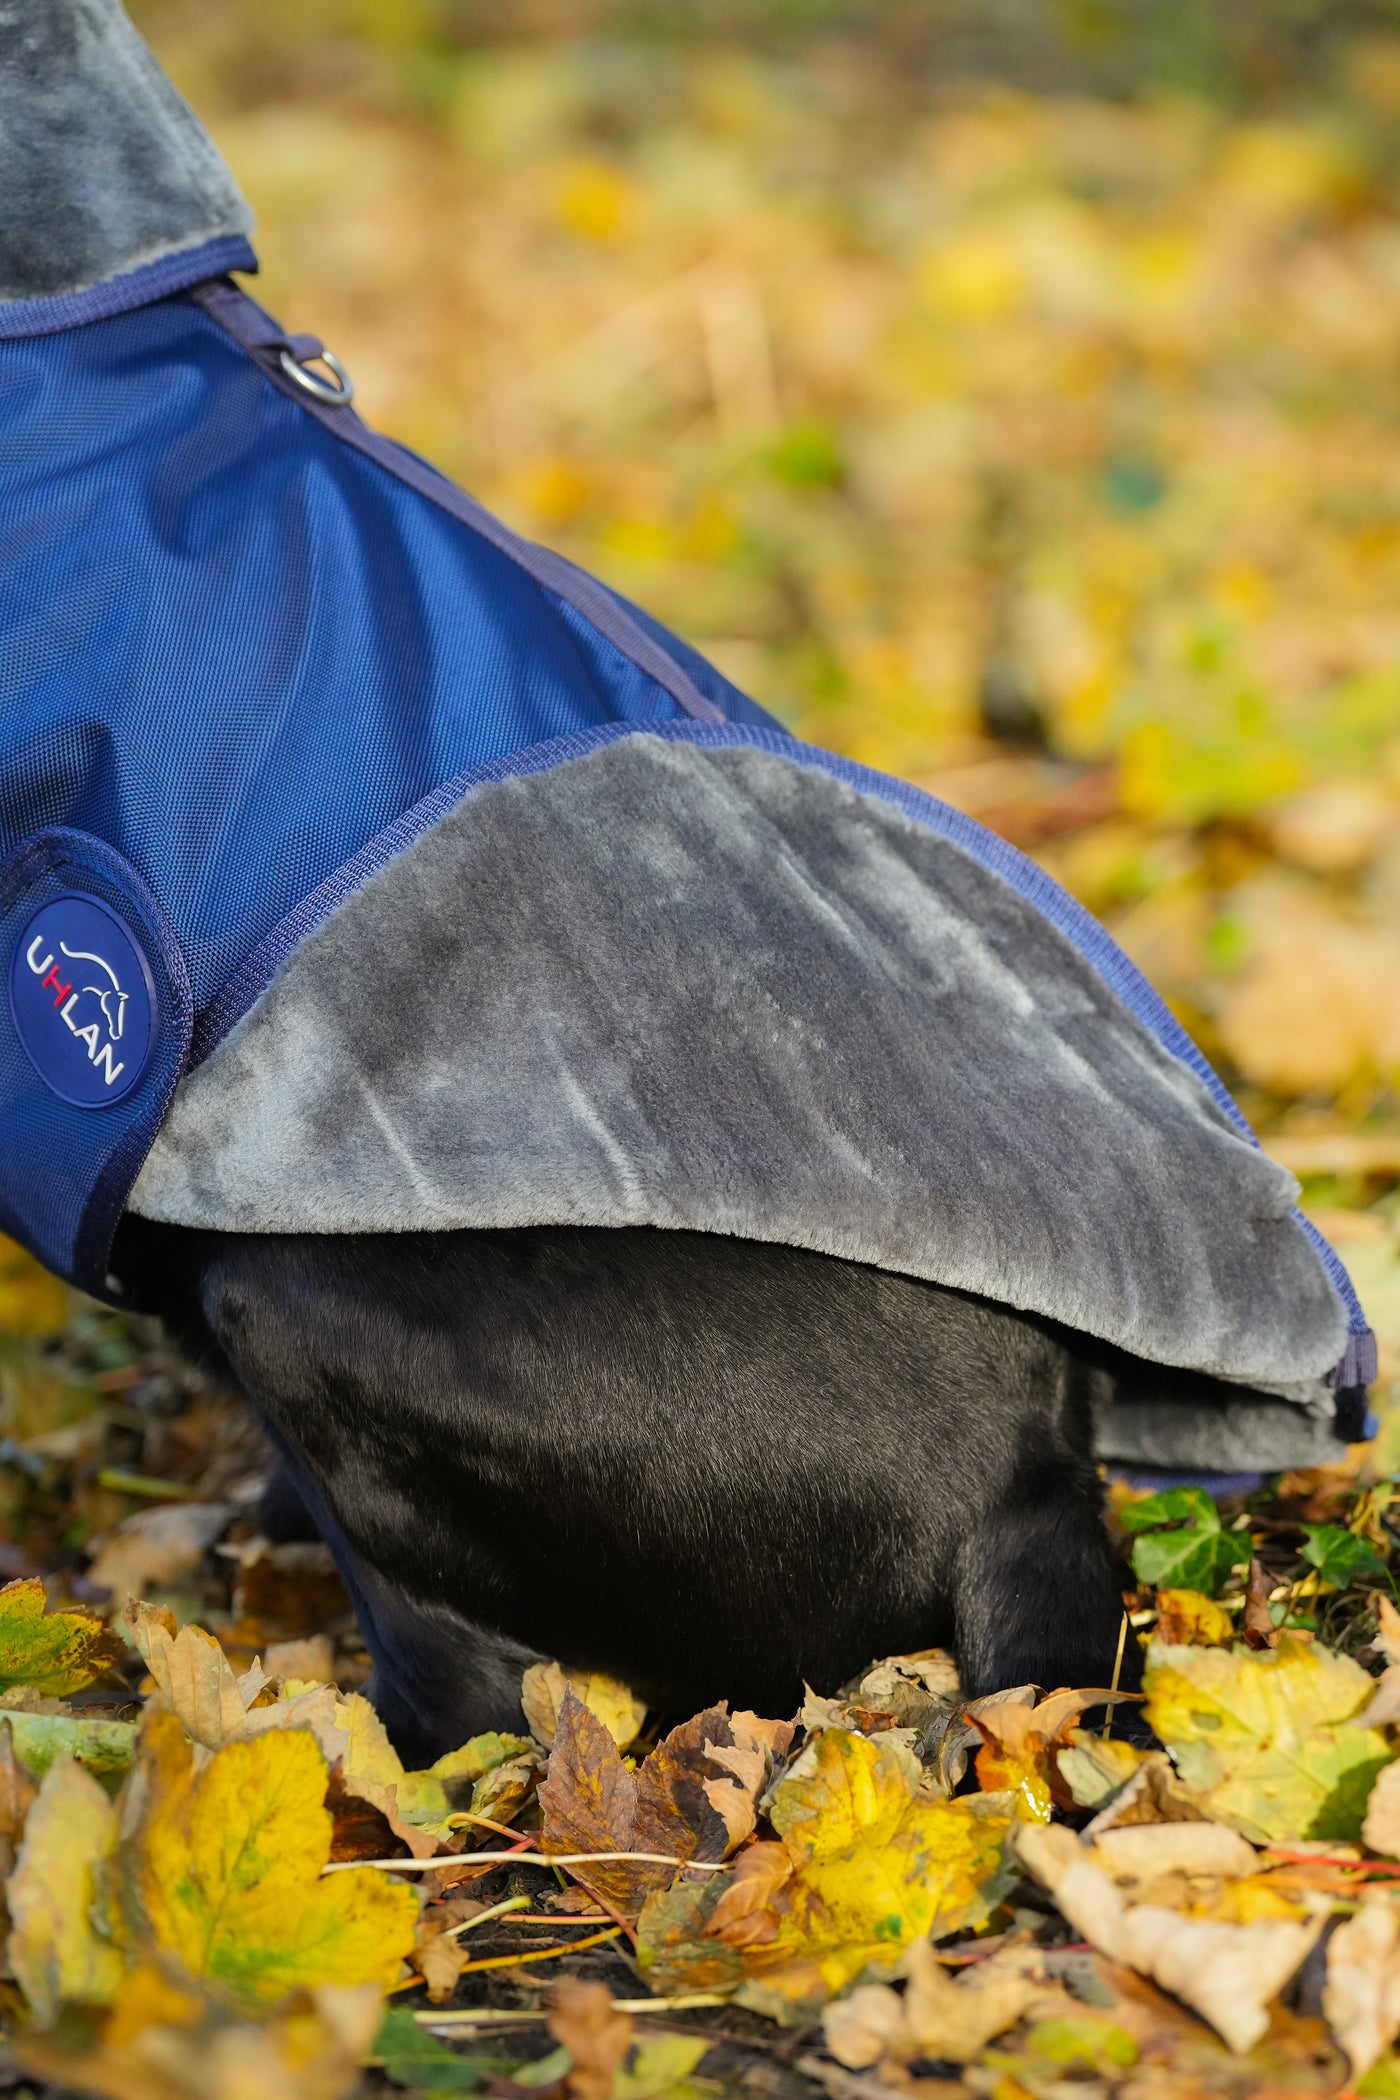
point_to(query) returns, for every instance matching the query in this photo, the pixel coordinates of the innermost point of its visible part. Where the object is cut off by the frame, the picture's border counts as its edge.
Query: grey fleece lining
(103, 166)
(707, 988)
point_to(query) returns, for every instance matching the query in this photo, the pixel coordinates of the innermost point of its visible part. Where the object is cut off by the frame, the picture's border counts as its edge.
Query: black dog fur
(711, 1467)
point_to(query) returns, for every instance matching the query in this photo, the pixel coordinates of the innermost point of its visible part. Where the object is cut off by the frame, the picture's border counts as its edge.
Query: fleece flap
(707, 987)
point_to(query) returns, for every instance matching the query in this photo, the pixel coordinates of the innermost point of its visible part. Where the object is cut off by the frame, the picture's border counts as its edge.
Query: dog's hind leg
(438, 1678)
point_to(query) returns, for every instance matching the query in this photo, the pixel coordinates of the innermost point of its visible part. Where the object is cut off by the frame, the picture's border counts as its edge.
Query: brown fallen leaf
(1361, 1997)
(1227, 1973)
(1381, 1829)
(309, 1661)
(1258, 1625)
(156, 1547)
(590, 1802)
(757, 1747)
(936, 2017)
(596, 2036)
(1153, 1794)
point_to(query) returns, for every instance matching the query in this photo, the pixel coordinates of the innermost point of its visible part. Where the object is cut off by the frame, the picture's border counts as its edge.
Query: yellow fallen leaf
(32, 1302)
(55, 1653)
(194, 1676)
(193, 1673)
(542, 1690)
(1227, 1973)
(165, 2043)
(1020, 1734)
(867, 1863)
(1361, 1997)
(418, 1805)
(1186, 1619)
(1268, 1741)
(224, 1871)
(55, 1950)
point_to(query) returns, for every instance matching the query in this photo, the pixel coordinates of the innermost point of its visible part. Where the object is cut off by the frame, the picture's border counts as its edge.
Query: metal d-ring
(338, 396)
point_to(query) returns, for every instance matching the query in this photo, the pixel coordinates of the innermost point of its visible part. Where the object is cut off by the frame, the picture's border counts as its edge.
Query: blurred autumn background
(1006, 393)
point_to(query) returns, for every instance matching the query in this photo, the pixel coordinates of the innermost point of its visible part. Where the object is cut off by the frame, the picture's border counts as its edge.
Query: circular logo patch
(83, 1001)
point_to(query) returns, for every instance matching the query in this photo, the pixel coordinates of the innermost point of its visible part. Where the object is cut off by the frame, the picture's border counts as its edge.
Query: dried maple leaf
(590, 1802)
(1270, 1741)
(1361, 1997)
(543, 1690)
(1228, 1973)
(54, 1652)
(750, 1758)
(194, 1677)
(936, 2017)
(1381, 1828)
(223, 1871)
(867, 1863)
(54, 1949)
(596, 2036)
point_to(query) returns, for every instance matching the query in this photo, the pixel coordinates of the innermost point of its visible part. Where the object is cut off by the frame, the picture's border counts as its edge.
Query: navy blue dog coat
(366, 868)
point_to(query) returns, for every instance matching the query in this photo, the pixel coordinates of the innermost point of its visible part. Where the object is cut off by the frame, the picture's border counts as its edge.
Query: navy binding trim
(256, 332)
(142, 286)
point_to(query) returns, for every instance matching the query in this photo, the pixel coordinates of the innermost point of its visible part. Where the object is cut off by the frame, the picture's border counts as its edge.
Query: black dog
(709, 1466)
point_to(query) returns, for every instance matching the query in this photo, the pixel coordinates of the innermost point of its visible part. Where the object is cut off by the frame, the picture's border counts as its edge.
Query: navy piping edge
(263, 339)
(1095, 944)
(60, 848)
(143, 286)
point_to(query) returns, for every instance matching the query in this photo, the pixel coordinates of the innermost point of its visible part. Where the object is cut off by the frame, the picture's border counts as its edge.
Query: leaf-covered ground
(1045, 449)
(221, 1884)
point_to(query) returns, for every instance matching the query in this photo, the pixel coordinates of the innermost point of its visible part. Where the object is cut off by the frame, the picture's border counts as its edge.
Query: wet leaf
(1267, 1741)
(55, 1653)
(225, 1867)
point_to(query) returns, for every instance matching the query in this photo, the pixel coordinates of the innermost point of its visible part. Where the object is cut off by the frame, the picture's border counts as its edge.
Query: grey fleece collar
(103, 166)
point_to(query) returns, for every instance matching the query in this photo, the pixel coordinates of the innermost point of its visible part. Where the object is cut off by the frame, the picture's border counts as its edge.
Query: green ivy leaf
(411, 2056)
(1190, 1560)
(1183, 1505)
(1340, 1557)
(1194, 1553)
